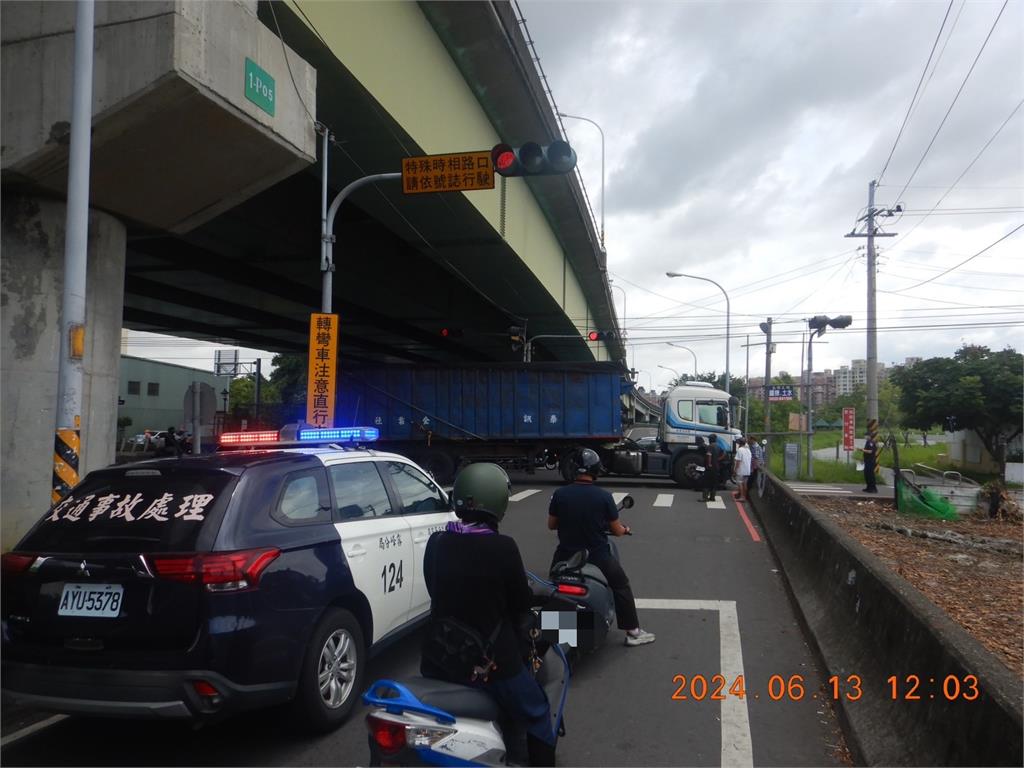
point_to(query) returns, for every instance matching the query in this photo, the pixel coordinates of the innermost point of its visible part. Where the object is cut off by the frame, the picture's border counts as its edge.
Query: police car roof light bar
(248, 438)
(343, 434)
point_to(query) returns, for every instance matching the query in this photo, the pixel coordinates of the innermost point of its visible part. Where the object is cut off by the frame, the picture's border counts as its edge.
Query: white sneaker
(642, 637)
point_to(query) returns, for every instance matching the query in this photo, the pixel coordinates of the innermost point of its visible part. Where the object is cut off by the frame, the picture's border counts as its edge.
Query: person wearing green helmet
(476, 577)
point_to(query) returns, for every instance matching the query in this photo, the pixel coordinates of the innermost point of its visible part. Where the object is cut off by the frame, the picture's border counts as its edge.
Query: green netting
(923, 502)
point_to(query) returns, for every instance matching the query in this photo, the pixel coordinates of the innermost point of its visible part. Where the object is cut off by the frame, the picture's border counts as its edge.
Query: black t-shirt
(479, 580)
(584, 512)
(870, 449)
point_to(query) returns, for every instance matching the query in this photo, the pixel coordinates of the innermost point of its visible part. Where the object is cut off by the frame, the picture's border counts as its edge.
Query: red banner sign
(849, 427)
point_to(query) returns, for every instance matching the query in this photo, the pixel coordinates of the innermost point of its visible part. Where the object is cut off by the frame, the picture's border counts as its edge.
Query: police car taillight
(340, 435)
(217, 571)
(248, 438)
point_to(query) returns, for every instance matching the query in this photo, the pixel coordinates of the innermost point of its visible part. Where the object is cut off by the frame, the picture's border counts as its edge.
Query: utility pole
(67, 436)
(872, 341)
(746, 394)
(767, 328)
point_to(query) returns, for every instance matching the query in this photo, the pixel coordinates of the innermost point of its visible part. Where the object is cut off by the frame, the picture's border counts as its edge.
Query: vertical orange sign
(323, 369)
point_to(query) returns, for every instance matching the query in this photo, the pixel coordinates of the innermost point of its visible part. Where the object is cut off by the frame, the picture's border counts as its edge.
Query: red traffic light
(594, 336)
(451, 333)
(533, 159)
(503, 157)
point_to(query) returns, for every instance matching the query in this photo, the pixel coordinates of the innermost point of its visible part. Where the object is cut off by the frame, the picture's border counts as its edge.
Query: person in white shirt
(741, 468)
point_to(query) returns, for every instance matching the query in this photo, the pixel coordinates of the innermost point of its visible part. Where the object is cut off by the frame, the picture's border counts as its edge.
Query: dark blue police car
(195, 587)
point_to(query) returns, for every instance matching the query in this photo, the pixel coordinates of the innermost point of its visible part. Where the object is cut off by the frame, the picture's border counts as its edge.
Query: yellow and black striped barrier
(873, 434)
(66, 444)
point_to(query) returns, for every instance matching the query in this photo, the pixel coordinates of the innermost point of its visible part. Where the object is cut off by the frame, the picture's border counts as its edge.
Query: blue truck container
(443, 416)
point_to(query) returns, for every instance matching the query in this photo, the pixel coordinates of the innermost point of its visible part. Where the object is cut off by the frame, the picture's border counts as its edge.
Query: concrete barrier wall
(869, 622)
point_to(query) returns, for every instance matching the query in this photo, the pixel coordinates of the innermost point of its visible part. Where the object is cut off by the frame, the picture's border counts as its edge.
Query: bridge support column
(31, 281)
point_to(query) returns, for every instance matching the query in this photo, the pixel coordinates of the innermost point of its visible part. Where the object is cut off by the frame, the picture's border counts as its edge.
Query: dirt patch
(977, 578)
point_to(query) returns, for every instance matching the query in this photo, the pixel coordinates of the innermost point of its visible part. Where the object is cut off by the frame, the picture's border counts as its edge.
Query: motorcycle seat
(458, 700)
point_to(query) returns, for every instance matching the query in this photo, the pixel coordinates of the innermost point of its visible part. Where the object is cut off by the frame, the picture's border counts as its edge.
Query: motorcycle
(421, 721)
(582, 606)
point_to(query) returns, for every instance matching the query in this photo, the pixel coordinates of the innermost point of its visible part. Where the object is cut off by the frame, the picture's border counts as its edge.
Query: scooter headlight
(425, 736)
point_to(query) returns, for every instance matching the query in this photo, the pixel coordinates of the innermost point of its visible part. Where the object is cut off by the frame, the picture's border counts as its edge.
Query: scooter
(582, 607)
(421, 721)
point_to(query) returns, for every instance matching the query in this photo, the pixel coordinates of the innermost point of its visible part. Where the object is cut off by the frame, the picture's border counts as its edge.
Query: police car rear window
(140, 510)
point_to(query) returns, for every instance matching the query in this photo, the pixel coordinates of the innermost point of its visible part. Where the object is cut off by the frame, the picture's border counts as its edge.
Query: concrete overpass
(207, 204)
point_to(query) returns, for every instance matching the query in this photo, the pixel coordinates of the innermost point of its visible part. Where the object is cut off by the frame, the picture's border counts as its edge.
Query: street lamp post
(680, 346)
(818, 325)
(678, 377)
(727, 316)
(588, 120)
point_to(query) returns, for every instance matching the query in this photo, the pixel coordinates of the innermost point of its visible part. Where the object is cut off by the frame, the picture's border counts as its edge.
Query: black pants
(622, 592)
(869, 476)
(710, 483)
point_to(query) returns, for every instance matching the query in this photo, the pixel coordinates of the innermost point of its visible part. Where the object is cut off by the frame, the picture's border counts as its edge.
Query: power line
(916, 90)
(955, 98)
(969, 258)
(287, 62)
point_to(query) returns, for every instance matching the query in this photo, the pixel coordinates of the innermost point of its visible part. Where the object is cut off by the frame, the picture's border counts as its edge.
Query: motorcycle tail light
(388, 735)
(572, 589)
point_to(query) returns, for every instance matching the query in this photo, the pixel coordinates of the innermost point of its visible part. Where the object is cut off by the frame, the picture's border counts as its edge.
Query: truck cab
(694, 409)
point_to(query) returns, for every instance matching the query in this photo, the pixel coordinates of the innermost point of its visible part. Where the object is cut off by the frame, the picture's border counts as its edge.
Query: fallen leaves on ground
(981, 590)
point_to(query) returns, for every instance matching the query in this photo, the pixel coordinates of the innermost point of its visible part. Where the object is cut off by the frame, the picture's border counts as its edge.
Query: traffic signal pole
(327, 236)
(67, 437)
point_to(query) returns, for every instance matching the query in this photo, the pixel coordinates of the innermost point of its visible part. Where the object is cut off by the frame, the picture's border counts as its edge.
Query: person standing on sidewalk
(756, 461)
(741, 469)
(870, 450)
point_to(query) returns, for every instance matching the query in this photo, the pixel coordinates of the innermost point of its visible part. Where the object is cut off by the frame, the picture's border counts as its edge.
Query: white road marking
(664, 500)
(736, 744)
(718, 503)
(30, 729)
(524, 494)
(619, 496)
(819, 489)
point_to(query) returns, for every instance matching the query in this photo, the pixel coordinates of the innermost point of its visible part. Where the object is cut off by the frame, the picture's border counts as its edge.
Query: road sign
(459, 172)
(849, 427)
(207, 404)
(259, 87)
(323, 367)
(779, 394)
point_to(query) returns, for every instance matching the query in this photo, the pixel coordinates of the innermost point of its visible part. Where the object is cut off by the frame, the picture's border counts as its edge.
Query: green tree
(289, 378)
(242, 393)
(976, 389)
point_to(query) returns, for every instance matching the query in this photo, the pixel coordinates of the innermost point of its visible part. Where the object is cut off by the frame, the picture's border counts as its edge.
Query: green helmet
(482, 488)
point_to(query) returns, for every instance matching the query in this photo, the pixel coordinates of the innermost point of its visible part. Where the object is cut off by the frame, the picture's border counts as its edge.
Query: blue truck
(527, 414)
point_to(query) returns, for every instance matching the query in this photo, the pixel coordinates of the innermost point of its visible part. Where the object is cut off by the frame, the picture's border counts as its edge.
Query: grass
(824, 471)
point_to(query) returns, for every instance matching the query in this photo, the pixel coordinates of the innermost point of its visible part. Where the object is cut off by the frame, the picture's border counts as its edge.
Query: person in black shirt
(476, 576)
(581, 512)
(870, 450)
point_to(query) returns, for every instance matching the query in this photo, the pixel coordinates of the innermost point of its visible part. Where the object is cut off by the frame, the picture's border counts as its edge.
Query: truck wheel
(567, 466)
(684, 471)
(441, 465)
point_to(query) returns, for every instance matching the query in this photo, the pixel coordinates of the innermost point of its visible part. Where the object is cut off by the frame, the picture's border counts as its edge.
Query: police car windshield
(134, 510)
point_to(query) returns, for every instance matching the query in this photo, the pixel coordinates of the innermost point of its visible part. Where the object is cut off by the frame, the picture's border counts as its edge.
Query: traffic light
(532, 159)
(820, 323)
(517, 336)
(451, 333)
(601, 336)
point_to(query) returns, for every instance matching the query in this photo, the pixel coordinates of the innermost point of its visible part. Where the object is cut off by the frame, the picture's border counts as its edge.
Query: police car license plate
(95, 600)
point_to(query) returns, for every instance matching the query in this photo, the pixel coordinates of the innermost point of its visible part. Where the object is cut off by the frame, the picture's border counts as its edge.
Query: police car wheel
(332, 672)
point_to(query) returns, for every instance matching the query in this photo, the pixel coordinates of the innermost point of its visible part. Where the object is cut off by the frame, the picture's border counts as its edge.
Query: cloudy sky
(740, 141)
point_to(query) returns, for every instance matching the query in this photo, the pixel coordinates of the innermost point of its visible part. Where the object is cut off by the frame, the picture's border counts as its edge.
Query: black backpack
(459, 651)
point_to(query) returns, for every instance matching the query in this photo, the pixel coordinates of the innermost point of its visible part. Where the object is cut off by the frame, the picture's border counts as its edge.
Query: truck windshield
(713, 413)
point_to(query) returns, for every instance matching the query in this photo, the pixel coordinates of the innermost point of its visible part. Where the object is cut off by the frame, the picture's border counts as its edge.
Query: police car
(196, 587)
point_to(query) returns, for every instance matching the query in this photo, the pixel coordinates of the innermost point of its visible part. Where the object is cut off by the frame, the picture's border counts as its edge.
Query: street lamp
(678, 377)
(588, 120)
(818, 325)
(727, 314)
(673, 344)
(224, 393)
(613, 285)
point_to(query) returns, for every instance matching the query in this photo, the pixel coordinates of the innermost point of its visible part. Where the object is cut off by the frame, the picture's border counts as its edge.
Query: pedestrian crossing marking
(524, 494)
(664, 500)
(718, 503)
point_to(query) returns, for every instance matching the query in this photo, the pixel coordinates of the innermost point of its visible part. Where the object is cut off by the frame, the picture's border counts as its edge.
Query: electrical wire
(917, 90)
(969, 258)
(287, 62)
(942, 52)
(955, 98)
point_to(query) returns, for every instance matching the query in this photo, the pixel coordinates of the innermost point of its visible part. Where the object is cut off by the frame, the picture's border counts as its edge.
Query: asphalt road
(705, 586)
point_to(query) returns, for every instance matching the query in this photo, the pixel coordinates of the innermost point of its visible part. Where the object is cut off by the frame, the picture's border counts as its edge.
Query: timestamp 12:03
(850, 688)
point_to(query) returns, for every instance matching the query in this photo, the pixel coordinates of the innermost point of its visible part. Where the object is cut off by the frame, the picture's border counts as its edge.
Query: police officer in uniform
(870, 450)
